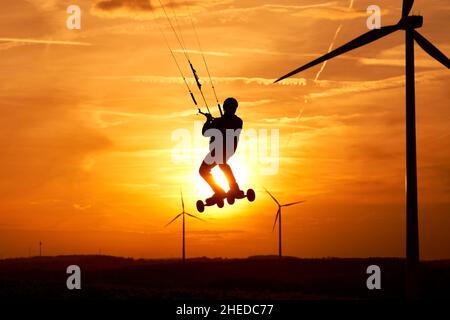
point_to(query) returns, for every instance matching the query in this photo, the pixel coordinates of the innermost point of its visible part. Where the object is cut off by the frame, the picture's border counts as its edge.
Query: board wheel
(251, 195)
(230, 200)
(220, 203)
(200, 206)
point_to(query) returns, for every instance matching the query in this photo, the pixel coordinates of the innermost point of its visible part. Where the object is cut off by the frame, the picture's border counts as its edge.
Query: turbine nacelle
(411, 22)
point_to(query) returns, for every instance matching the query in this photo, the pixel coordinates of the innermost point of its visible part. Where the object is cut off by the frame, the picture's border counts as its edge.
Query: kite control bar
(206, 114)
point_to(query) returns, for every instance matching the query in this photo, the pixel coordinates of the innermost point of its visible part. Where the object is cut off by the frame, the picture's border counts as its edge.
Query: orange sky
(86, 130)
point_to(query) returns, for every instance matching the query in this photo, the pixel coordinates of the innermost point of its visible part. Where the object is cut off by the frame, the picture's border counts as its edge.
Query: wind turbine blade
(406, 9)
(182, 201)
(291, 204)
(431, 49)
(191, 215)
(272, 196)
(173, 219)
(276, 219)
(360, 41)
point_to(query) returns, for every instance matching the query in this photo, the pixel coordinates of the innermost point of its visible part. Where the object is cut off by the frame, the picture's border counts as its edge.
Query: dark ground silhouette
(263, 277)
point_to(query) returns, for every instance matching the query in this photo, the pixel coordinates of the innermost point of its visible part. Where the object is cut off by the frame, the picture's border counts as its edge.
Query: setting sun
(241, 173)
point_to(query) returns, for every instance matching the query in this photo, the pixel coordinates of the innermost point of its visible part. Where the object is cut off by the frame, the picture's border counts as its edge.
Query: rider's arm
(209, 124)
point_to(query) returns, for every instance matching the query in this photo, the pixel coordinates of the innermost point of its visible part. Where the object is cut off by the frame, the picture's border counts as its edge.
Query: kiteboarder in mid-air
(224, 136)
(223, 132)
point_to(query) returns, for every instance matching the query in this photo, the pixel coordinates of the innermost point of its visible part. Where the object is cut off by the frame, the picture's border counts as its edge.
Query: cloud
(282, 120)
(9, 45)
(20, 41)
(291, 8)
(276, 8)
(82, 207)
(148, 9)
(102, 118)
(43, 146)
(257, 103)
(191, 80)
(429, 63)
(352, 87)
(44, 4)
(207, 53)
(394, 56)
(332, 13)
(322, 11)
(322, 121)
(130, 5)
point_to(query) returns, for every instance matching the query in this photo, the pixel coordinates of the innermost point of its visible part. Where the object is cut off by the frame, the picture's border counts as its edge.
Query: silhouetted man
(224, 133)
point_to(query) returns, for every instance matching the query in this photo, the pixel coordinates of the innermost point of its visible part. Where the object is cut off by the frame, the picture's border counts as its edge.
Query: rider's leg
(226, 169)
(205, 172)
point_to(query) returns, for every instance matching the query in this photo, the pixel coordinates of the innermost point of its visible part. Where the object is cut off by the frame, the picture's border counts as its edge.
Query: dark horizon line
(253, 257)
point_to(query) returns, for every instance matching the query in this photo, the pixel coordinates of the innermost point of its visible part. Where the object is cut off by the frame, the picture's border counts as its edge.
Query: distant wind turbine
(408, 24)
(40, 248)
(182, 214)
(278, 218)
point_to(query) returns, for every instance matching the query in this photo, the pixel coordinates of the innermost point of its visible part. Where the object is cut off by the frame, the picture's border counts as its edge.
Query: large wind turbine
(182, 214)
(408, 24)
(278, 218)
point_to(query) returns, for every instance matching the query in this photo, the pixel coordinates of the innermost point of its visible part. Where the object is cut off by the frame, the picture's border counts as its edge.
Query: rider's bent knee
(204, 169)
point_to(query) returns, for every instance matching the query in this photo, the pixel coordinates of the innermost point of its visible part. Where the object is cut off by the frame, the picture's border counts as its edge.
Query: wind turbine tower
(409, 24)
(278, 219)
(182, 215)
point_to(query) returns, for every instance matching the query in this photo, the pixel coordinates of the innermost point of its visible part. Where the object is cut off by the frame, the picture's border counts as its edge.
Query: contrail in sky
(300, 114)
(332, 44)
(35, 41)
